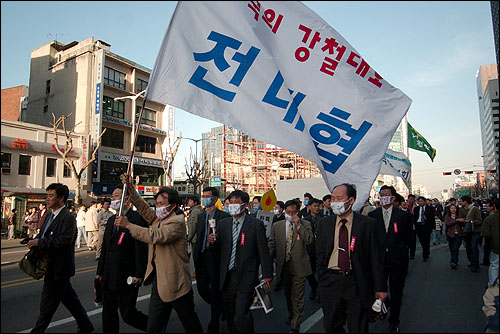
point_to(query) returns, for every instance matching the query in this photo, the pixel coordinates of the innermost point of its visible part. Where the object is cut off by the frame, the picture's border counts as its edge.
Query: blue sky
(429, 50)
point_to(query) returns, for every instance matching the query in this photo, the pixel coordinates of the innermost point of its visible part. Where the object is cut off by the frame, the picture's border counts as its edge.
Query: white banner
(282, 75)
(397, 164)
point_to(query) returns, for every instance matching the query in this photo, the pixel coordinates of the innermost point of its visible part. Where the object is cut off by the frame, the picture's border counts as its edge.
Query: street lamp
(133, 98)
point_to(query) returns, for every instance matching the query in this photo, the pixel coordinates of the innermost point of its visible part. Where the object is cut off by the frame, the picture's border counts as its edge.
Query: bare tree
(68, 146)
(197, 171)
(168, 157)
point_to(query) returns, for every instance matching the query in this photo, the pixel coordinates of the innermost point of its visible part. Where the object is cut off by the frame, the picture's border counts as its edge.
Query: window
(148, 116)
(114, 78)
(6, 163)
(24, 165)
(47, 87)
(45, 109)
(111, 171)
(113, 108)
(148, 176)
(112, 138)
(51, 167)
(141, 85)
(145, 144)
(66, 171)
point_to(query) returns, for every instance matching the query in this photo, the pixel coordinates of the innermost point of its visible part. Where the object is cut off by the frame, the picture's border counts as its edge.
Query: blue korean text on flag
(282, 75)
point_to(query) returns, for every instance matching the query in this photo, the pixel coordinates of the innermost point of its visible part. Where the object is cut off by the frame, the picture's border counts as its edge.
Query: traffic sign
(457, 171)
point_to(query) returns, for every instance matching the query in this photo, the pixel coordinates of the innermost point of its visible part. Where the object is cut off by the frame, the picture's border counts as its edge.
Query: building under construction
(244, 163)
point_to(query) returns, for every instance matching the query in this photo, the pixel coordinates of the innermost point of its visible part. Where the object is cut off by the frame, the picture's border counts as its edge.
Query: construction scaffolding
(250, 165)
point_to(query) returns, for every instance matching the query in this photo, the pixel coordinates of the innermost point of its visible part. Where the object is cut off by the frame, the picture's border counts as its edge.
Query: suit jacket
(41, 218)
(251, 252)
(91, 223)
(299, 259)
(430, 221)
(169, 255)
(118, 262)
(192, 221)
(200, 232)
(59, 245)
(365, 260)
(395, 242)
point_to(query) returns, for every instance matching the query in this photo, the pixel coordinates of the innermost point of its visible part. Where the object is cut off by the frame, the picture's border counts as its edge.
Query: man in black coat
(394, 232)
(424, 221)
(207, 259)
(348, 265)
(121, 257)
(243, 246)
(57, 240)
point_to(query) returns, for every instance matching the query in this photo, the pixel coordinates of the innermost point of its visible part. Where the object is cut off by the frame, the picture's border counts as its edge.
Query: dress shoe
(426, 260)
(412, 257)
(294, 330)
(85, 330)
(453, 266)
(289, 320)
(394, 329)
(474, 269)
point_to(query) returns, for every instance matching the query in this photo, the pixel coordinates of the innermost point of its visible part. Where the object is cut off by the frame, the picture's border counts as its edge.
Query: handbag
(34, 263)
(468, 227)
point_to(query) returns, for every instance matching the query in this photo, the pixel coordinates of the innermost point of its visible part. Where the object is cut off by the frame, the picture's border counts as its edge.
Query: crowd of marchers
(355, 262)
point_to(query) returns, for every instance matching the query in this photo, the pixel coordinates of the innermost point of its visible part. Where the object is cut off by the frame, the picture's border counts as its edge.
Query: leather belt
(341, 273)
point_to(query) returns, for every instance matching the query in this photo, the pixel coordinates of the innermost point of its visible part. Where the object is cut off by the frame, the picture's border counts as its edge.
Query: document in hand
(264, 298)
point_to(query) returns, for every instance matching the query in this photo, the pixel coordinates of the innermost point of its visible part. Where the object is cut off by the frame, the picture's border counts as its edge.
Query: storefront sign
(125, 159)
(18, 143)
(125, 122)
(147, 190)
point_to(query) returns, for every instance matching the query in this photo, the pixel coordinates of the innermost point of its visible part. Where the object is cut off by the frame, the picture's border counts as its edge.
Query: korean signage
(97, 121)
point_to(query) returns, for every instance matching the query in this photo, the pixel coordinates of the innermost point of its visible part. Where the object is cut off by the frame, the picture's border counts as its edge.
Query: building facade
(14, 103)
(487, 92)
(86, 79)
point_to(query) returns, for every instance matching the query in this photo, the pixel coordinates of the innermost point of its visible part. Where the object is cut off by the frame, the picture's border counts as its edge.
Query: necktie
(422, 219)
(289, 242)
(204, 244)
(343, 261)
(386, 220)
(235, 240)
(51, 219)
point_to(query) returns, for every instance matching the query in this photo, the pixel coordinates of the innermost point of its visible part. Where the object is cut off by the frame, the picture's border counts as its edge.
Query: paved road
(436, 299)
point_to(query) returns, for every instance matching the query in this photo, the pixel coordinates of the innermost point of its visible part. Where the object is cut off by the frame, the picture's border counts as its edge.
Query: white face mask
(338, 208)
(288, 218)
(276, 212)
(385, 200)
(163, 212)
(115, 205)
(234, 209)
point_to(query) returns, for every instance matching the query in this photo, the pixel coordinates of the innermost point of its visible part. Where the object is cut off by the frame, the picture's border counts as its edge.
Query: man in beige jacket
(168, 263)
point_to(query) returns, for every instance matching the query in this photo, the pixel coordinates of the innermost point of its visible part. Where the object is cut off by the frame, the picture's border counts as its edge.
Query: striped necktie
(235, 240)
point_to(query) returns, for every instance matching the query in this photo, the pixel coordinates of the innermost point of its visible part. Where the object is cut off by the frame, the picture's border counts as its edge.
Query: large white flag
(397, 164)
(279, 73)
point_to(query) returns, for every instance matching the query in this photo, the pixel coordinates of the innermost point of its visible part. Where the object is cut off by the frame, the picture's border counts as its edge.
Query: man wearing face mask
(102, 219)
(195, 210)
(307, 206)
(278, 210)
(287, 244)
(122, 256)
(243, 247)
(207, 259)
(168, 262)
(348, 265)
(394, 231)
(256, 205)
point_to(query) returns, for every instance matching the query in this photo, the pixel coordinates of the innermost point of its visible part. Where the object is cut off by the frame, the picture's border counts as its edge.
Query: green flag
(417, 142)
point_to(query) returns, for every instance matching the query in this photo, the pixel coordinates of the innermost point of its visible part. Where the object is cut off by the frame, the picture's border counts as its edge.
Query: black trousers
(125, 301)
(341, 302)
(159, 312)
(237, 305)
(207, 283)
(424, 237)
(55, 292)
(396, 276)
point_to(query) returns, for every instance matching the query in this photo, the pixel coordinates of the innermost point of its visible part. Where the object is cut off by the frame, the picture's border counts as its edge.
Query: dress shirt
(386, 214)
(334, 257)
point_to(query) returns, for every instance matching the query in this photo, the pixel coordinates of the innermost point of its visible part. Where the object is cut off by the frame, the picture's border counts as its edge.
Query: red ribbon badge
(243, 239)
(395, 227)
(121, 238)
(298, 236)
(353, 242)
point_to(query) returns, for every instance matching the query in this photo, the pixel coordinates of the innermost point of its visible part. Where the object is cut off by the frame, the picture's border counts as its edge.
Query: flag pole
(132, 151)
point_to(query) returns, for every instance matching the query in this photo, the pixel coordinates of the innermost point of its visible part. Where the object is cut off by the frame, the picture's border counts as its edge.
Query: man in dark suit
(121, 256)
(313, 217)
(42, 215)
(348, 265)
(243, 246)
(413, 236)
(424, 221)
(394, 231)
(57, 240)
(207, 259)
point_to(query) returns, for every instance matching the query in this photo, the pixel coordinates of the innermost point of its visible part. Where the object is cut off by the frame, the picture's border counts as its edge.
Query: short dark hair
(292, 202)
(245, 198)
(258, 198)
(14, 210)
(391, 188)
(61, 190)
(421, 197)
(213, 190)
(467, 199)
(195, 198)
(172, 195)
(350, 189)
(106, 200)
(452, 199)
(93, 202)
(281, 204)
(316, 200)
(411, 195)
(327, 197)
(400, 199)
(308, 195)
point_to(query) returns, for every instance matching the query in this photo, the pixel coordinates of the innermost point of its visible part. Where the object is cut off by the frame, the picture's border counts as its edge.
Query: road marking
(311, 321)
(27, 280)
(21, 251)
